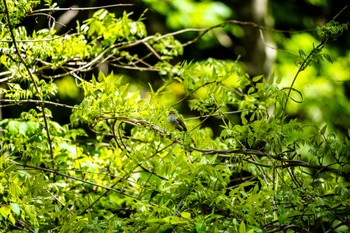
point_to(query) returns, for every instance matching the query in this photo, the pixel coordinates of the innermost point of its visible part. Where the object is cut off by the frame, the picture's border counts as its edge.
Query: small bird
(176, 121)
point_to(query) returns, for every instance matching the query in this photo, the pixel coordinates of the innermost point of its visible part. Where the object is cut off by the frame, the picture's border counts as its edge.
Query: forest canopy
(174, 116)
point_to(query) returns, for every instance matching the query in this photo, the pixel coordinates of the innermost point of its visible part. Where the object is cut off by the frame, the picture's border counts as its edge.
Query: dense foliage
(119, 166)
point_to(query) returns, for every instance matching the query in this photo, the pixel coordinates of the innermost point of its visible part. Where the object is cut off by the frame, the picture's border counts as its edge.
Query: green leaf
(328, 58)
(12, 219)
(3, 59)
(33, 127)
(5, 211)
(279, 79)
(302, 53)
(282, 218)
(242, 228)
(244, 120)
(214, 74)
(186, 215)
(17, 127)
(201, 227)
(257, 78)
(101, 14)
(251, 90)
(15, 208)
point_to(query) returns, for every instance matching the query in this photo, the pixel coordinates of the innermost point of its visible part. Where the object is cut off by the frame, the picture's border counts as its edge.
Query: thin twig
(206, 30)
(152, 50)
(33, 81)
(301, 68)
(16, 102)
(81, 8)
(37, 40)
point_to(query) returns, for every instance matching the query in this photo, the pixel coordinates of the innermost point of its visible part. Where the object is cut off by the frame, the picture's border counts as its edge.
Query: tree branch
(55, 172)
(81, 8)
(33, 81)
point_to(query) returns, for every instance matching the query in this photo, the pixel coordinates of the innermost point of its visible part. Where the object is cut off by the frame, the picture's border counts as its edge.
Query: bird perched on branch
(176, 121)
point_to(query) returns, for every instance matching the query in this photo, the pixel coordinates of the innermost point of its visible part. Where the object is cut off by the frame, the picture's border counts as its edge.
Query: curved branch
(302, 67)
